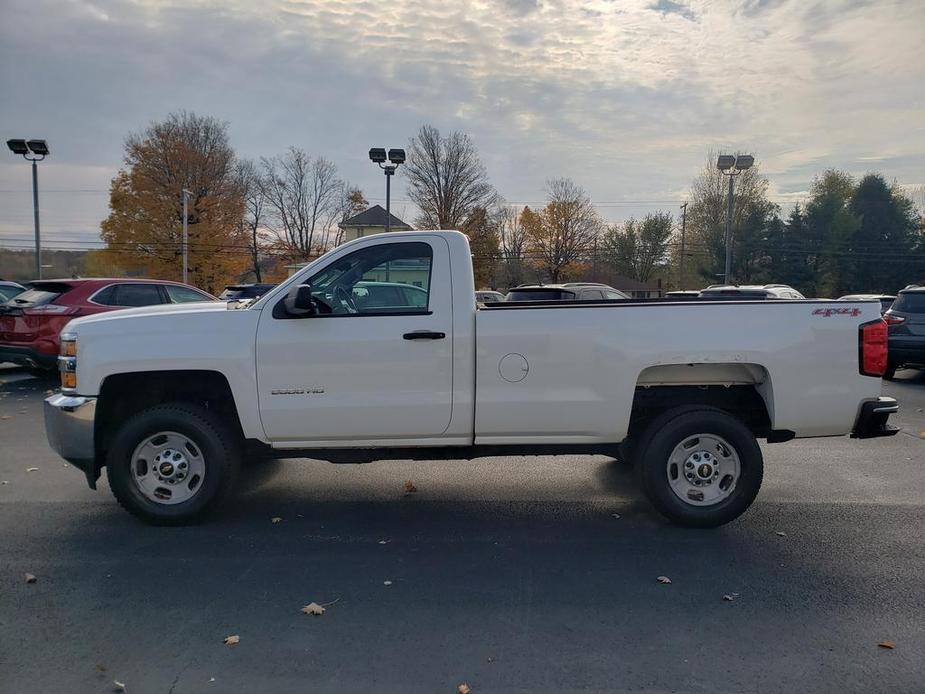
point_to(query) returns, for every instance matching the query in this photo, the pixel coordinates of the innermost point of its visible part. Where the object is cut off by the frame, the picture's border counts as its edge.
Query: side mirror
(299, 301)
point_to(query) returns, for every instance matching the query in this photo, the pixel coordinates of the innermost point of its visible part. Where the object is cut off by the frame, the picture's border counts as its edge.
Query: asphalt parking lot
(508, 574)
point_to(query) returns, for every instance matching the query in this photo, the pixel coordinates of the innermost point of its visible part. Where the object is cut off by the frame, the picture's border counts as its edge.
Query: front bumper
(872, 419)
(69, 426)
(28, 357)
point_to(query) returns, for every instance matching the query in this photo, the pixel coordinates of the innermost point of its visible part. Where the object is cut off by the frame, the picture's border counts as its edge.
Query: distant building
(369, 222)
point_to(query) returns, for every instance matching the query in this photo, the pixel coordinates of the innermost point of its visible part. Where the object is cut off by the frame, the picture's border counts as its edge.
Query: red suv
(30, 322)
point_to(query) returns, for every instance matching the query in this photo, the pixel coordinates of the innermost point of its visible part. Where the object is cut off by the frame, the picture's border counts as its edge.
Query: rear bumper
(27, 356)
(907, 350)
(70, 427)
(872, 419)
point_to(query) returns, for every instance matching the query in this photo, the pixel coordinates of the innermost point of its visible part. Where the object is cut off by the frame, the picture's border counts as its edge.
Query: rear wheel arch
(746, 402)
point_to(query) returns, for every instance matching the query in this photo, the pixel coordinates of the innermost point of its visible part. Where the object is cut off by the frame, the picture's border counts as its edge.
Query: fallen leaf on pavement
(276, 519)
(780, 533)
(232, 640)
(30, 578)
(32, 469)
(313, 608)
(463, 689)
(118, 686)
(887, 644)
(409, 487)
(663, 579)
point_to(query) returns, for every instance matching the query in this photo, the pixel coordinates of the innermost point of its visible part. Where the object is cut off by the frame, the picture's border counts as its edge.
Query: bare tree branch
(446, 178)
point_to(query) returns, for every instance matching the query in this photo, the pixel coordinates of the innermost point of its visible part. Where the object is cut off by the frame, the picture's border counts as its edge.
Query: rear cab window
(907, 302)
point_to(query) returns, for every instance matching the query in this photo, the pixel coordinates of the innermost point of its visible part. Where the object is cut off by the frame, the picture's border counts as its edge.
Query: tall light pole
(396, 156)
(683, 250)
(731, 165)
(34, 151)
(186, 194)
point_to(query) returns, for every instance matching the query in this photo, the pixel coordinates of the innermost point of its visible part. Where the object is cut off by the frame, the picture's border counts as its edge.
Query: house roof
(375, 216)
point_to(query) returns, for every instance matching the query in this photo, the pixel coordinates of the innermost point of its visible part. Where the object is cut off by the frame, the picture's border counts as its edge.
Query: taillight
(50, 310)
(872, 348)
(893, 320)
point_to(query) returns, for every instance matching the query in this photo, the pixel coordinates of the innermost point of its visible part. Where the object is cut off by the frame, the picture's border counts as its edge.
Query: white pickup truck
(169, 398)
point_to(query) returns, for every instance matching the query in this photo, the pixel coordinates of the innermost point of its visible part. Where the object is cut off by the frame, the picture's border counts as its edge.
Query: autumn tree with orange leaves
(143, 232)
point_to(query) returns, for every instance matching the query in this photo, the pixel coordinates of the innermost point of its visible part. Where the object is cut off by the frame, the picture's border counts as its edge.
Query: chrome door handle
(424, 335)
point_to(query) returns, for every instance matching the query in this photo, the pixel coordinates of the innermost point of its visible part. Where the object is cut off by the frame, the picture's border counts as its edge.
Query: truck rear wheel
(171, 464)
(699, 466)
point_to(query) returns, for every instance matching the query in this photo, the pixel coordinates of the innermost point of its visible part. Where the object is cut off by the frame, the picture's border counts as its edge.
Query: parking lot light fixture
(38, 147)
(377, 155)
(725, 162)
(34, 151)
(18, 146)
(731, 165)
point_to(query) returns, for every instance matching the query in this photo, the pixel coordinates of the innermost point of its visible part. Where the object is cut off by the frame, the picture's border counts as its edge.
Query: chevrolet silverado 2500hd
(167, 398)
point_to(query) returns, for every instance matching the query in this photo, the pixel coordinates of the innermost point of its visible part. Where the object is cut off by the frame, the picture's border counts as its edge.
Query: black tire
(667, 431)
(220, 451)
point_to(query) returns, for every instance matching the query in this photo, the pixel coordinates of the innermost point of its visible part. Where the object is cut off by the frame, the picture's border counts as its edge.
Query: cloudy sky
(625, 97)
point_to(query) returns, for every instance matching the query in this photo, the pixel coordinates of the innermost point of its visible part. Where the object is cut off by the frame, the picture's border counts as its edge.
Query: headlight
(67, 361)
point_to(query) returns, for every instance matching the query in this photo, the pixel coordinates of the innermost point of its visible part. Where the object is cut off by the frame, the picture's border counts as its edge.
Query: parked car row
(570, 291)
(10, 289)
(31, 319)
(905, 321)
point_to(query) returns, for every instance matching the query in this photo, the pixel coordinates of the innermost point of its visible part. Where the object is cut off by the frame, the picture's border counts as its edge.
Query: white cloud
(625, 97)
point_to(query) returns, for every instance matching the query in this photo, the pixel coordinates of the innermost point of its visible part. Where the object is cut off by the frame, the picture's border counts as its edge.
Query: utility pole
(683, 251)
(186, 195)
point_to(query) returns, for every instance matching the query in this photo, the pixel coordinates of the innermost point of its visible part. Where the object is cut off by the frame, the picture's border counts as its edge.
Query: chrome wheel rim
(168, 468)
(703, 470)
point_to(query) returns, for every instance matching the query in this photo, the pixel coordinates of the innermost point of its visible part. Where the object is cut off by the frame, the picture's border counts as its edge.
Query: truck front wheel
(699, 466)
(171, 464)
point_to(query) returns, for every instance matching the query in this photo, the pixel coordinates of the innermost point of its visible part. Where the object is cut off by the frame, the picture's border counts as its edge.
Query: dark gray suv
(906, 321)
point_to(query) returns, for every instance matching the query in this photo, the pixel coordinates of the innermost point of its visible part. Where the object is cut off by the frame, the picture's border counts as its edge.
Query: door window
(383, 279)
(137, 295)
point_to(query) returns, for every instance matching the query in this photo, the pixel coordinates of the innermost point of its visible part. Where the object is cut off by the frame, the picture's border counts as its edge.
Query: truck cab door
(375, 361)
